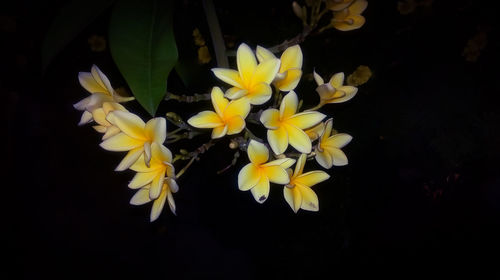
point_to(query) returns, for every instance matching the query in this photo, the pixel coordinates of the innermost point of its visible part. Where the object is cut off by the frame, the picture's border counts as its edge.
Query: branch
(187, 98)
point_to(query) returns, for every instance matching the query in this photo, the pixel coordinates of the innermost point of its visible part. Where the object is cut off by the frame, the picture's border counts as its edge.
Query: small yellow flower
(142, 197)
(350, 18)
(251, 80)
(334, 91)
(135, 137)
(337, 5)
(328, 151)
(96, 83)
(160, 167)
(256, 175)
(228, 118)
(285, 127)
(298, 193)
(103, 126)
(289, 74)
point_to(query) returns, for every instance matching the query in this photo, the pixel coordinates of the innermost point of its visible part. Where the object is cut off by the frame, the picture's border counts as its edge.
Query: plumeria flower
(228, 118)
(159, 169)
(135, 137)
(338, 5)
(100, 89)
(168, 189)
(289, 74)
(284, 126)
(334, 91)
(256, 175)
(328, 151)
(298, 192)
(251, 80)
(103, 126)
(315, 132)
(350, 18)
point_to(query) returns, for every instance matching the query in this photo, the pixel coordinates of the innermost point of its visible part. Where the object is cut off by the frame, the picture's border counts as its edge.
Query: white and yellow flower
(286, 127)
(289, 74)
(228, 118)
(350, 18)
(334, 91)
(100, 89)
(256, 175)
(251, 80)
(168, 189)
(298, 193)
(328, 151)
(135, 137)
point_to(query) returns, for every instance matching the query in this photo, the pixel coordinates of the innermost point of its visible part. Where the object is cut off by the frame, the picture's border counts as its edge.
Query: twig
(194, 155)
(233, 163)
(187, 98)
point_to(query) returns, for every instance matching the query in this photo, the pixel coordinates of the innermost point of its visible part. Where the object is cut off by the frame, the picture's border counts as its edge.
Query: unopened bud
(233, 145)
(297, 10)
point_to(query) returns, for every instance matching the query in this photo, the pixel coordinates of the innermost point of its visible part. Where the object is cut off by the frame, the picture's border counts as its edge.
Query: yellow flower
(337, 5)
(256, 175)
(160, 167)
(328, 151)
(289, 74)
(350, 18)
(285, 127)
(101, 91)
(135, 137)
(298, 192)
(334, 91)
(228, 118)
(142, 197)
(315, 132)
(251, 80)
(103, 126)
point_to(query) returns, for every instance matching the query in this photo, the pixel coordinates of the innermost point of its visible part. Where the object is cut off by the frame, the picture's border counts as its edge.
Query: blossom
(289, 74)
(142, 197)
(154, 175)
(228, 118)
(103, 126)
(328, 151)
(285, 127)
(100, 89)
(251, 80)
(135, 137)
(334, 91)
(298, 193)
(350, 18)
(256, 175)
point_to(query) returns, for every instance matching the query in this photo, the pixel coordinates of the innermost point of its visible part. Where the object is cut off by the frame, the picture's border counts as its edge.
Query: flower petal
(338, 140)
(318, 79)
(276, 174)
(358, 7)
(349, 93)
(291, 80)
(299, 166)
(270, 118)
(337, 80)
(240, 107)
(283, 162)
(311, 178)
(156, 185)
(205, 119)
(101, 79)
(128, 123)
(260, 191)
(121, 142)
(147, 153)
(219, 131)
(140, 165)
(293, 197)
(172, 185)
(246, 62)
(131, 157)
(324, 159)
(156, 130)
(298, 139)
(161, 153)
(100, 128)
(86, 118)
(266, 71)
(158, 205)
(259, 94)
(263, 54)
(327, 131)
(112, 106)
(257, 152)
(141, 179)
(235, 93)
(315, 132)
(235, 125)
(306, 120)
(229, 76)
(171, 202)
(218, 100)
(289, 105)
(350, 23)
(278, 139)
(100, 117)
(291, 58)
(309, 199)
(338, 156)
(88, 82)
(110, 131)
(248, 177)
(141, 197)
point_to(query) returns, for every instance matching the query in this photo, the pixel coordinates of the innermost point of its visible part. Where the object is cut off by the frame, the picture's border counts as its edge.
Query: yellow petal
(291, 58)
(324, 159)
(172, 185)
(140, 166)
(219, 131)
(305, 120)
(112, 106)
(293, 197)
(229, 76)
(326, 91)
(158, 206)
(289, 105)
(350, 23)
(299, 167)
(311, 178)
(240, 107)
(128, 123)
(291, 80)
(283, 162)
(161, 153)
(100, 128)
(156, 185)
(205, 119)
(358, 7)
(270, 118)
(141, 197)
(235, 125)
(327, 131)
(236, 93)
(246, 62)
(337, 141)
(147, 153)
(171, 202)
(88, 83)
(101, 79)
(141, 179)
(257, 152)
(318, 79)
(264, 54)
(260, 191)
(338, 156)
(315, 132)
(131, 158)
(259, 94)
(336, 5)
(156, 130)
(278, 140)
(110, 131)
(121, 142)
(309, 199)
(100, 117)
(86, 118)
(337, 80)
(276, 174)
(248, 177)
(349, 93)
(266, 71)
(298, 139)
(218, 100)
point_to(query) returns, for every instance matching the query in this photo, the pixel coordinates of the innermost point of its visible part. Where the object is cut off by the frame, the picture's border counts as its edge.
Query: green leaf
(143, 47)
(71, 20)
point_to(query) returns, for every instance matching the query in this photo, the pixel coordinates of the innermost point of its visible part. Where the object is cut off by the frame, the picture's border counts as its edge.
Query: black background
(420, 195)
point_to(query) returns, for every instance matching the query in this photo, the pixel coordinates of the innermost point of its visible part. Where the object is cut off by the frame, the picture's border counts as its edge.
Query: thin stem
(187, 98)
(216, 34)
(185, 167)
